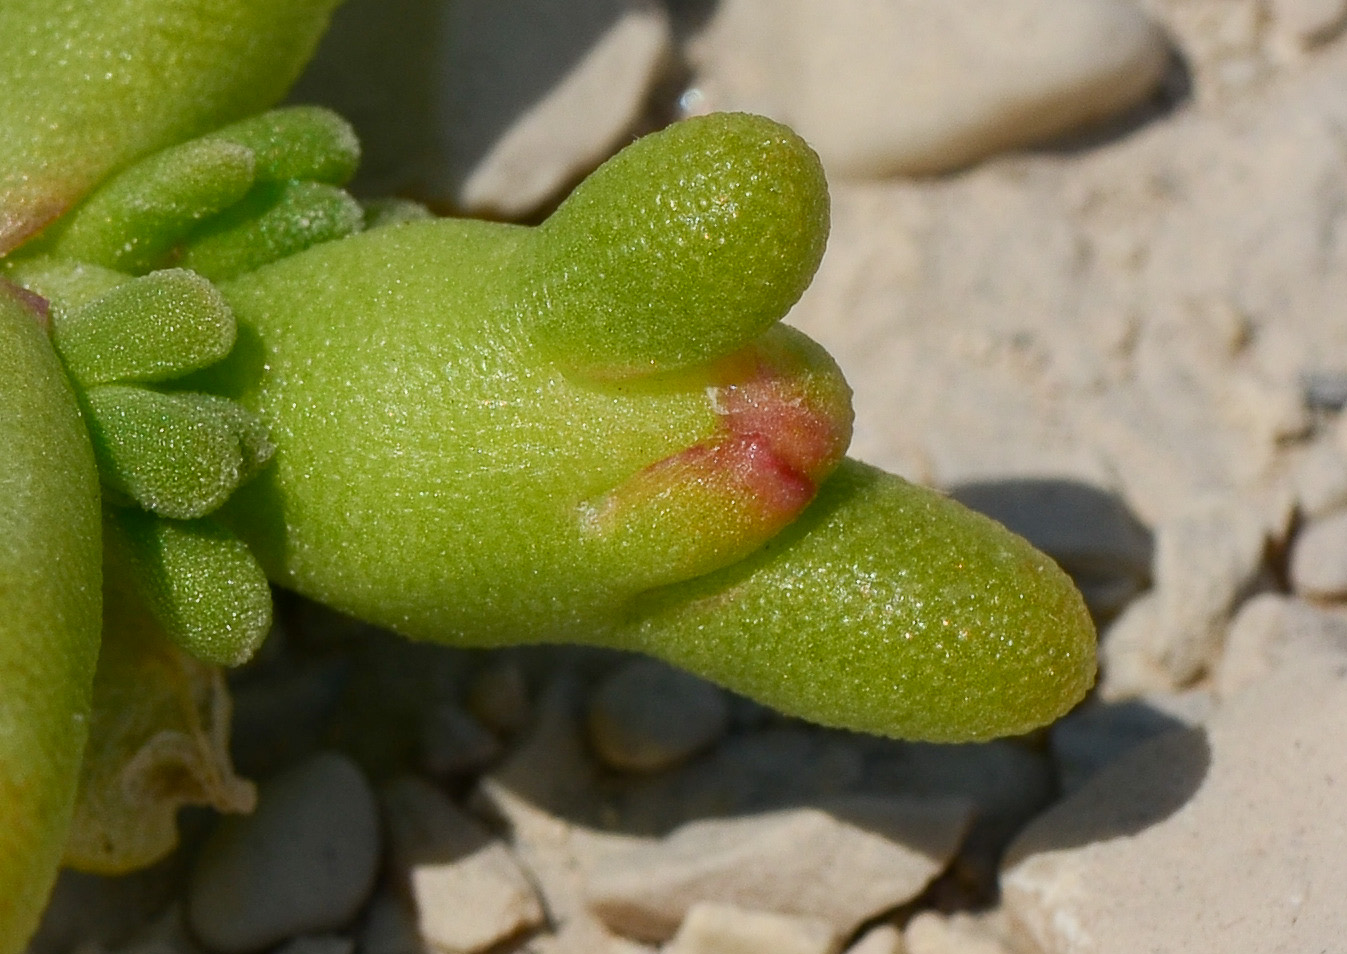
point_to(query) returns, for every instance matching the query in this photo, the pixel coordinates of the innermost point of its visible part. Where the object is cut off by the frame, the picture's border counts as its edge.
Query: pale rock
(534, 94)
(1310, 22)
(648, 716)
(303, 862)
(1224, 839)
(882, 939)
(1318, 567)
(1088, 531)
(1319, 479)
(1098, 733)
(748, 772)
(492, 108)
(713, 928)
(890, 87)
(1207, 560)
(1089, 315)
(546, 793)
(469, 892)
(932, 933)
(1271, 629)
(785, 861)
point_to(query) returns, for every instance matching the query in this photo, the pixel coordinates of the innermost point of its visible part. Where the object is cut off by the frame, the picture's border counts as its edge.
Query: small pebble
(1310, 22)
(886, 850)
(1318, 567)
(1324, 390)
(499, 697)
(649, 716)
(932, 933)
(925, 86)
(1271, 629)
(470, 893)
(455, 744)
(303, 862)
(712, 928)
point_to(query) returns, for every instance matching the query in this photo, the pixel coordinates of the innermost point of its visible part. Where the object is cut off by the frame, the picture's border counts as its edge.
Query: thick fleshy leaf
(87, 88)
(681, 249)
(887, 608)
(275, 221)
(177, 455)
(50, 594)
(134, 220)
(298, 142)
(161, 326)
(202, 585)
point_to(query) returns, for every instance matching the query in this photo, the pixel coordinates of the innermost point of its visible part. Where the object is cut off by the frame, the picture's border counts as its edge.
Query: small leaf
(275, 221)
(298, 142)
(177, 455)
(199, 580)
(161, 326)
(135, 219)
(683, 247)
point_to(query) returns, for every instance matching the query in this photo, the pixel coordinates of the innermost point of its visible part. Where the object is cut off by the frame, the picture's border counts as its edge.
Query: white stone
(1310, 22)
(303, 862)
(546, 794)
(886, 850)
(533, 94)
(1226, 839)
(1207, 560)
(469, 892)
(648, 716)
(932, 933)
(712, 928)
(1098, 733)
(885, 87)
(1319, 479)
(1318, 568)
(1271, 629)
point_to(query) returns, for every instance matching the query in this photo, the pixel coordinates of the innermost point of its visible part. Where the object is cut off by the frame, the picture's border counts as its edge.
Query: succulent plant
(219, 371)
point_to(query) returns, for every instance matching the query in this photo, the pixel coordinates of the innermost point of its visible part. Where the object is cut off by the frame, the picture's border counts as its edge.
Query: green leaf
(50, 610)
(885, 608)
(688, 244)
(199, 580)
(154, 328)
(275, 221)
(134, 220)
(298, 142)
(87, 88)
(177, 455)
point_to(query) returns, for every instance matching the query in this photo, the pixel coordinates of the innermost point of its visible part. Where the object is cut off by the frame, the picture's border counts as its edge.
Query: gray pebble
(304, 862)
(648, 716)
